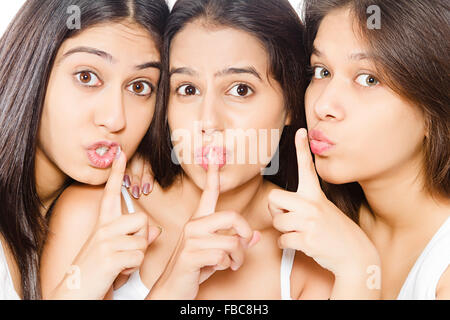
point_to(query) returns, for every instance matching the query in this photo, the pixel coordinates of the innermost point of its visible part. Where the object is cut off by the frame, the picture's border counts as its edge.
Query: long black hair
(27, 52)
(277, 26)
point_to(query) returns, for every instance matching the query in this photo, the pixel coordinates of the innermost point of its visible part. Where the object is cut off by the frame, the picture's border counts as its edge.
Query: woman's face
(223, 100)
(359, 128)
(101, 95)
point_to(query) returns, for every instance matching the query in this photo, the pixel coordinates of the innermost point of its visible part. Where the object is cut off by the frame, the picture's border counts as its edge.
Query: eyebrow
(225, 72)
(353, 56)
(153, 64)
(97, 52)
(109, 57)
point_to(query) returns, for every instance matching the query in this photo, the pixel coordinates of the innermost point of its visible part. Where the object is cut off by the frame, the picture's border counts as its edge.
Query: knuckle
(219, 256)
(104, 248)
(234, 215)
(272, 195)
(142, 218)
(189, 229)
(235, 243)
(101, 234)
(276, 221)
(141, 243)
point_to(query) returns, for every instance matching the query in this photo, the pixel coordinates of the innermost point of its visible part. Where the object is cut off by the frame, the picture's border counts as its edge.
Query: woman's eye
(367, 80)
(321, 73)
(241, 90)
(188, 90)
(140, 88)
(88, 79)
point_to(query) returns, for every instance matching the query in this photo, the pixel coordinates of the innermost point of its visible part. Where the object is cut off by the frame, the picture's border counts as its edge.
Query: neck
(399, 201)
(49, 180)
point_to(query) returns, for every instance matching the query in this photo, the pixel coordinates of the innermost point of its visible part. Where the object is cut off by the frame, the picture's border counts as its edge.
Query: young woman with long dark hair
(72, 98)
(378, 116)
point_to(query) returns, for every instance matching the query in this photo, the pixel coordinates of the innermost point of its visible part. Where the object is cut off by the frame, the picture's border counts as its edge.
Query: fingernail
(119, 151)
(127, 181)
(135, 192)
(302, 133)
(146, 189)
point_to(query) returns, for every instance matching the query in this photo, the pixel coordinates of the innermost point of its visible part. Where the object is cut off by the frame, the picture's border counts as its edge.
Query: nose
(210, 114)
(110, 113)
(329, 104)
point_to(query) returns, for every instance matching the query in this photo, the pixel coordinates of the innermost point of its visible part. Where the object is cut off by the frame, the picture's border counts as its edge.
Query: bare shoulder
(317, 282)
(77, 208)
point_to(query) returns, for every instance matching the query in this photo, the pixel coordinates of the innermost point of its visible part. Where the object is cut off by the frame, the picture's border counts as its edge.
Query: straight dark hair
(278, 27)
(411, 51)
(27, 52)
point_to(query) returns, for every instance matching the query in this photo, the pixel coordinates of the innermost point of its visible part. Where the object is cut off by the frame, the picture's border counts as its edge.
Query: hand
(314, 225)
(139, 177)
(118, 242)
(203, 248)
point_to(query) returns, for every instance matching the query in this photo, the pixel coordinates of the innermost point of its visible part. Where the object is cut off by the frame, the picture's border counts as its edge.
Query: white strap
(128, 200)
(287, 261)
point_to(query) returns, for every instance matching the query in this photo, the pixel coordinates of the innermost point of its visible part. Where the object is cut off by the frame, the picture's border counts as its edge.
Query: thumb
(308, 182)
(111, 206)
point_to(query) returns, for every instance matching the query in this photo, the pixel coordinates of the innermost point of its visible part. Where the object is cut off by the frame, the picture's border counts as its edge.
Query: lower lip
(201, 157)
(102, 162)
(320, 147)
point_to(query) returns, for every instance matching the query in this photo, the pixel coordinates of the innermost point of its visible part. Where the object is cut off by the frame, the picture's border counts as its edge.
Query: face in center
(101, 95)
(360, 129)
(223, 100)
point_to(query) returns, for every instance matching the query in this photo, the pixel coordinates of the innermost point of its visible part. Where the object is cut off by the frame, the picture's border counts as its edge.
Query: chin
(334, 174)
(91, 176)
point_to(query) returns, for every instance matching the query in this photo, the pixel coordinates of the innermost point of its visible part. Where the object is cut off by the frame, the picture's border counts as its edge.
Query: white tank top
(424, 276)
(7, 291)
(135, 289)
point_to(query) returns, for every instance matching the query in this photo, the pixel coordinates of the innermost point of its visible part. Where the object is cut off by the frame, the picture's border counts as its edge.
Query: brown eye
(140, 88)
(85, 77)
(188, 90)
(241, 90)
(88, 79)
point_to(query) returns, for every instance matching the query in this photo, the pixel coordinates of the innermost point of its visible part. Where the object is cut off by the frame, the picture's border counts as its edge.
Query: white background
(8, 8)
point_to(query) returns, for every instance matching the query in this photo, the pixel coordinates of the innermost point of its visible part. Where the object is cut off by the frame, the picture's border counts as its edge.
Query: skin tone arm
(312, 224)
(94, 248)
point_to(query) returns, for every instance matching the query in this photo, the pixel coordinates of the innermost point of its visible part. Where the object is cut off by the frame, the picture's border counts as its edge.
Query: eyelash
(233, 86)
(311, 71)
(77, 74)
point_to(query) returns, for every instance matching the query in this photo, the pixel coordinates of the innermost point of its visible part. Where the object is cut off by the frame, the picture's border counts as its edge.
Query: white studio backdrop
(8, 9)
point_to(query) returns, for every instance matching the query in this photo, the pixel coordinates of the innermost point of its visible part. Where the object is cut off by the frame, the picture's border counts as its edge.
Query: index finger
(308, 182)
(111, 205)
(211, 191)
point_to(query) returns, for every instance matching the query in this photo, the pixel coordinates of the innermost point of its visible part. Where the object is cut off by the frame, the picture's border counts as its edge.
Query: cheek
(311, 93)
(374, 143)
